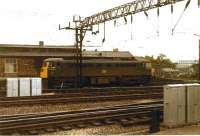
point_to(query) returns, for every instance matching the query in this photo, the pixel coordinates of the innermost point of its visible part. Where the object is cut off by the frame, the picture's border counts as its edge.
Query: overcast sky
(30, 21)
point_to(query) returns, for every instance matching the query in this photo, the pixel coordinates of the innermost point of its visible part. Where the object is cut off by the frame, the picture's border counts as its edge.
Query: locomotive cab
(44, 70)
(48, 65)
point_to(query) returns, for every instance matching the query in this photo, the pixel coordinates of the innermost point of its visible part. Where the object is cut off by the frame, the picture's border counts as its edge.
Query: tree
(161, 62)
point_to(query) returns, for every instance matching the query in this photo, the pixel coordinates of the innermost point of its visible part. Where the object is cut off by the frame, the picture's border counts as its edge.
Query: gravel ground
(186, 130)
(61, 107)
(105, 130)
(133, 130)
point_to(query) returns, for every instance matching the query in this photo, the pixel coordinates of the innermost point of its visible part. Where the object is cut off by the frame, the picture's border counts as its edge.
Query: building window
(10, 65)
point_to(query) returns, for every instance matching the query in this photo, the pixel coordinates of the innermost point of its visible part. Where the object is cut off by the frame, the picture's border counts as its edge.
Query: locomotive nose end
(43, 73)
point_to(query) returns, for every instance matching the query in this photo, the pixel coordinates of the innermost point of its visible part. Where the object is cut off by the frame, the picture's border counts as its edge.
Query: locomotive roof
(108, 54)
(92, 61)
(135, 59)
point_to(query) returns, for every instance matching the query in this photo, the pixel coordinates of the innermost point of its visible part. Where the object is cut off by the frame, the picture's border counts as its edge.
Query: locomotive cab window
(133, 65)
(99, 65)
(44, 64)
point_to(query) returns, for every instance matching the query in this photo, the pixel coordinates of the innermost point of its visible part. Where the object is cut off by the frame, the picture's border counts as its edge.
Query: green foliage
(161, 61)
(196, 71)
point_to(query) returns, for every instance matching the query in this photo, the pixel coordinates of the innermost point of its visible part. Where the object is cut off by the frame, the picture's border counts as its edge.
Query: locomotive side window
(133, 65)
(58, 64)
(99, 65)
(108, 65)
(52, 64)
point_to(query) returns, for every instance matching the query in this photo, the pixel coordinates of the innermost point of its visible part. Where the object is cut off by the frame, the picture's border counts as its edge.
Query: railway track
(86, 96)
(102, 89)
(155, 82)
(51, 122)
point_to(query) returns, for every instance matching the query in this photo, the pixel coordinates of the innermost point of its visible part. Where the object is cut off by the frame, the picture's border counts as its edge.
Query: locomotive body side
(99, 72)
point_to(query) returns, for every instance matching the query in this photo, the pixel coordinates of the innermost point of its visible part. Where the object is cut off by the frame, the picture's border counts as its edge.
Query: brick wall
(25, 68)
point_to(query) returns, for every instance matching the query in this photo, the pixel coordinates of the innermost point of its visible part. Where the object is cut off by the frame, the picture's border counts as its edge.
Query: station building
(26, 60)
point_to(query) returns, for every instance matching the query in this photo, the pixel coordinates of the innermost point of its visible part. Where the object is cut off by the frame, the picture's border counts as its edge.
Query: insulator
(97, 29)
(125, 20)
(187, 4)
(172, 8)
(131, 18)
(146, 14)
(115, 22)
(104, 38)
(93, 33)
(158, 12)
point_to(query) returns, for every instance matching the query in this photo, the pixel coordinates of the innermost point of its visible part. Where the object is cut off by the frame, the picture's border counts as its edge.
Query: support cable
(158, 23)
(104, 32)
(186, 6)
(172, 21)
(131, 27)
(154, 27)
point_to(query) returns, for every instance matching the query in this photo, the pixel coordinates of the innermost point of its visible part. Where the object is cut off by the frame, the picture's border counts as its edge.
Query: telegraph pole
(79, 36)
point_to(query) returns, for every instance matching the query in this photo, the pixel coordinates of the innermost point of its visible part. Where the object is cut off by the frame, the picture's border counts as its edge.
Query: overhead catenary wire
(147, 16)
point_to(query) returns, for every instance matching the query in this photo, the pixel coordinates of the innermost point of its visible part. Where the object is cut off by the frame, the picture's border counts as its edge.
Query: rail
(84, 96)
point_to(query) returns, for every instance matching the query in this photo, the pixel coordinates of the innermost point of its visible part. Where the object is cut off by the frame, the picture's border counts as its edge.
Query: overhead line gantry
(82, 26)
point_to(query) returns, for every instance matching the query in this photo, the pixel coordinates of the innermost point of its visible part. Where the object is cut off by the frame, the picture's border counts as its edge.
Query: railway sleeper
(97, 123)
(81, 125)
(109, 121)
(50, 129)
(65, 127)
(33, 132)
(134, 122)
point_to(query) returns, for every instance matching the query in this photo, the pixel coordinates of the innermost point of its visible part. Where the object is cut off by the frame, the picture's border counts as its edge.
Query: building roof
(16, 50)
(34, 46)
